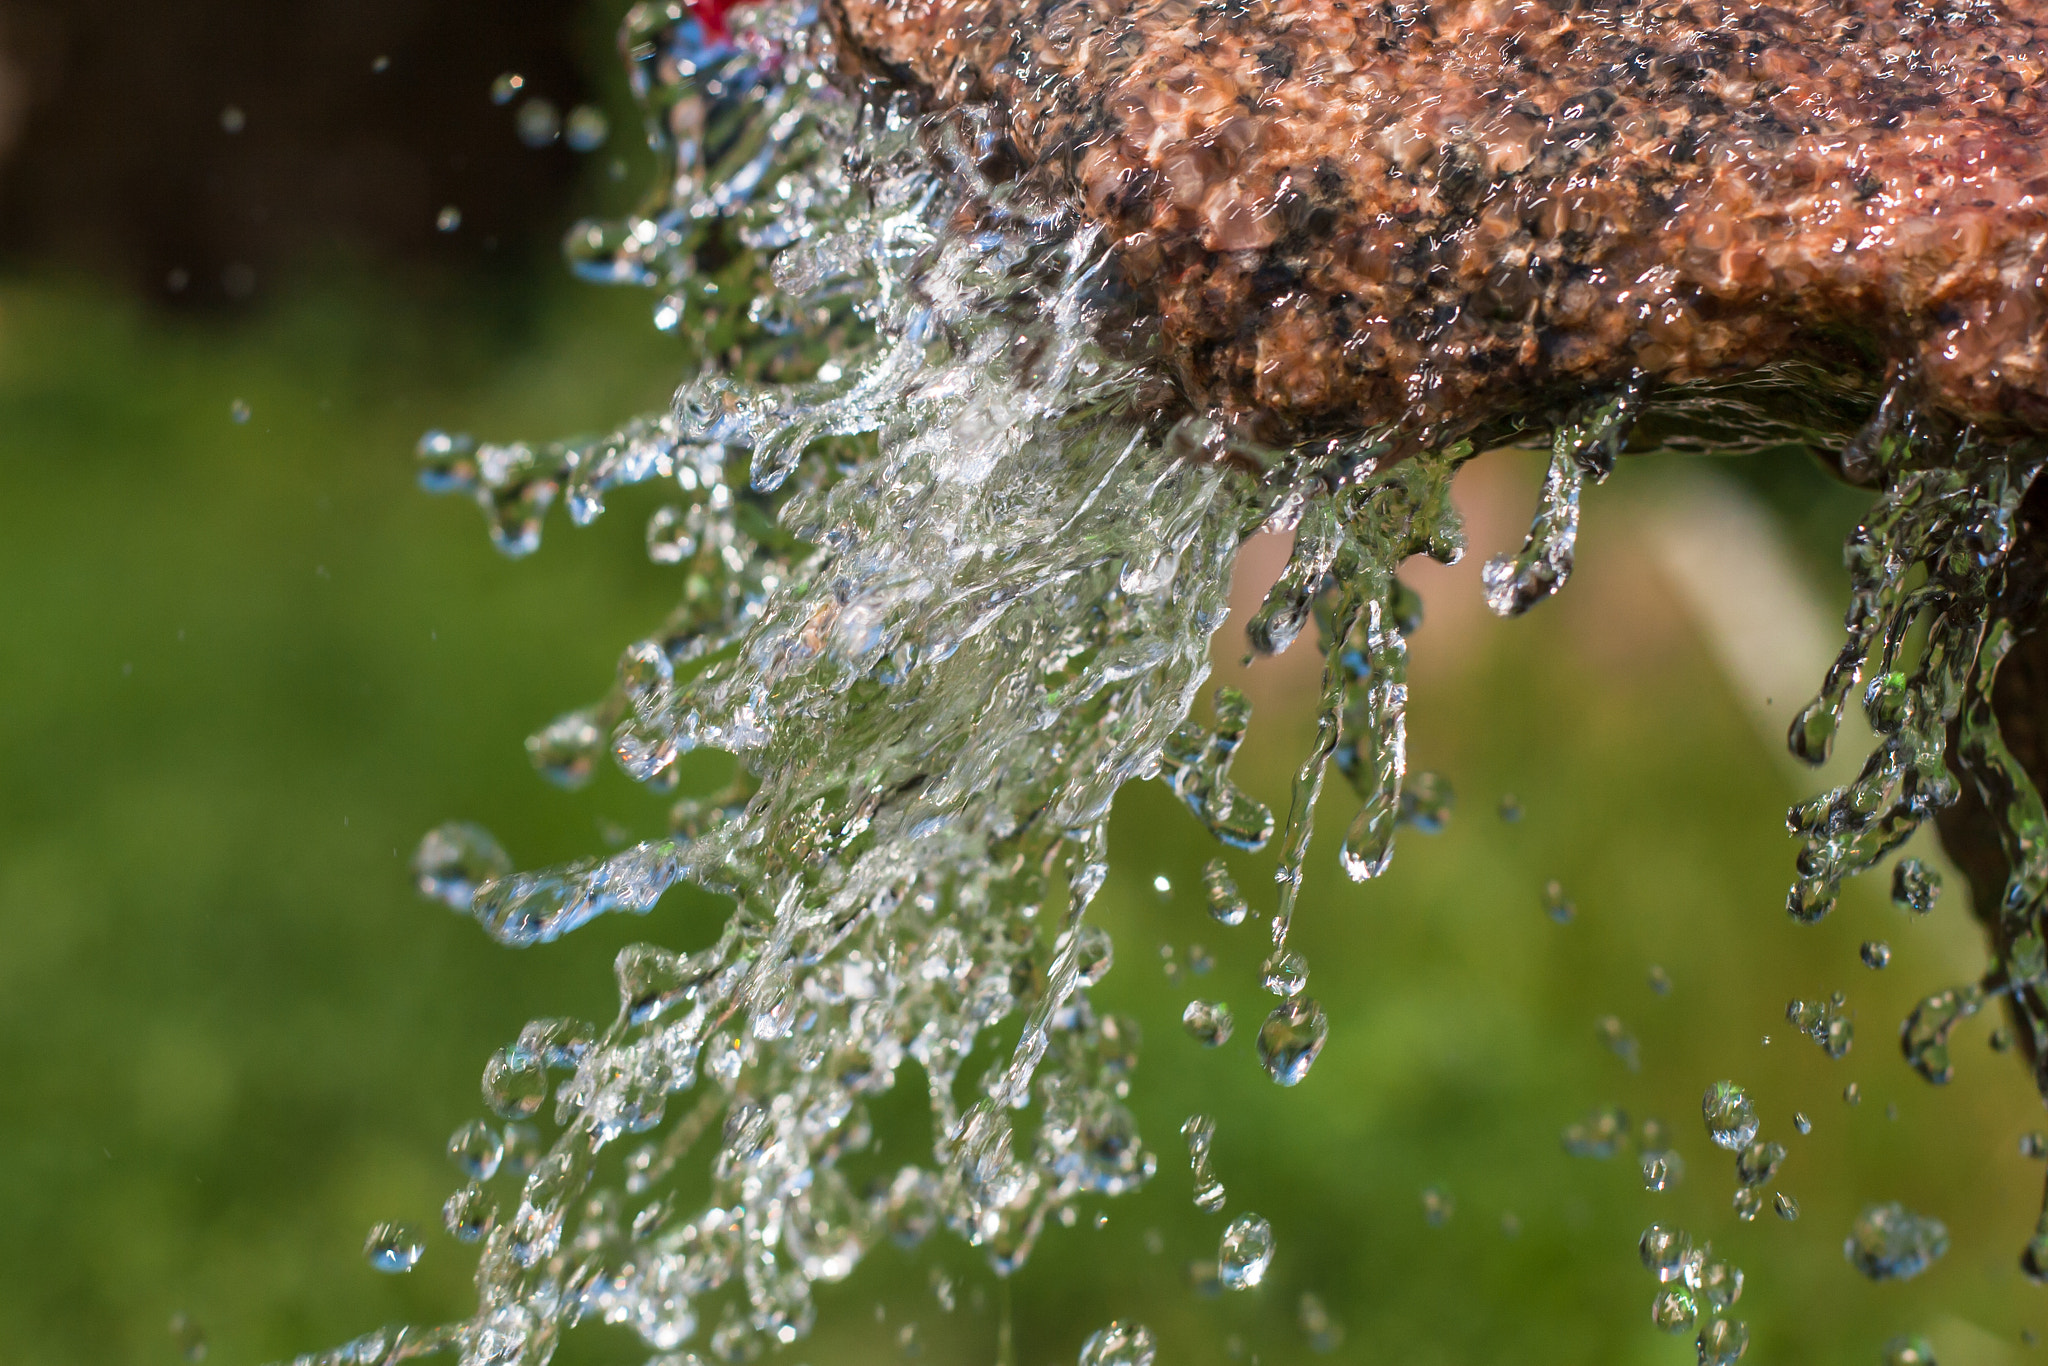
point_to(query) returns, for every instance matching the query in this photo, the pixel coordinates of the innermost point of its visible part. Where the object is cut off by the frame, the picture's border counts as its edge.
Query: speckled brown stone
(1353, 213)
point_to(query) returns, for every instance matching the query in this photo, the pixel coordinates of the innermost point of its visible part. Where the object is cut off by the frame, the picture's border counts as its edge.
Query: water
(951, 559)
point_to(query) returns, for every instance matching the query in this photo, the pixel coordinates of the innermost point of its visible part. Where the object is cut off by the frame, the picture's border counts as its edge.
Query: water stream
(950, 570)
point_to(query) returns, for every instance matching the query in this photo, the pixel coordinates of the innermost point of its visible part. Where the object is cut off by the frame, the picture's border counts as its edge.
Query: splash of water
(951, 560)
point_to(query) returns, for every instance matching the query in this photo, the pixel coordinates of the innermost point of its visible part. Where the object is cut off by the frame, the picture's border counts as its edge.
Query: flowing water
(949, 580)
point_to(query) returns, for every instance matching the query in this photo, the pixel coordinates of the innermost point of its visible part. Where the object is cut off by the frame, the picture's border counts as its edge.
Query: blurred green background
(244, 665)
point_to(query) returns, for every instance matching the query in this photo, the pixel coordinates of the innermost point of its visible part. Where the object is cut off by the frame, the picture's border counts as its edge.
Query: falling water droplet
(1748, 1202)
(1245, 1253)
(454, 860)
(467, 1214)
(1674, 1309)
(1801, 1122)
(1226, 903)
(1787, 1207)
(1852, 1094)
(1891, 1243)
(1759, 1162)
(1660, 980)
(537, 123)
(586, 128)
(1426, 802)
(1731, 1118)
(1556, 904)
(1163, 885)
(188, 1338)
(506, 86)
(1914, 886)
(393, 1249)
(1208, 1023)
(1120, 1344)
(238, 412)
(1437, 1206)
(1510, 808)
(233, 120)
(1200, 1133)
(449, 219)
(2034, 1144)
(1285, 973)
(1907, 1350)
(1876, 953)
(1200, 961)
(476, 1150)
(1291, 1038)
(1662, 1170)
(1661, 1249)
(1323, 1332)
(1599, 1135)
(1720, 1285)
(2000, 1040)
(1722, 1343)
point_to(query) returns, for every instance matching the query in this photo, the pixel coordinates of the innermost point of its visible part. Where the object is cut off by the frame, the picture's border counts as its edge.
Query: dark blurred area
(194, 150)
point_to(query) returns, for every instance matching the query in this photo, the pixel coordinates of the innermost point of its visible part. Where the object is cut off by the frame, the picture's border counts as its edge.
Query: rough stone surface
(1353, 213)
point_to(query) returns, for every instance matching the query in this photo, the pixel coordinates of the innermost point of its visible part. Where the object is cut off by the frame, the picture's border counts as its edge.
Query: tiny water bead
(1852, 1094)
(456, 859)
(1322, 1330)
(1208, 1023)
(233, 120)
(586, 128)
(1675, 1309)
(1748, 1203)
(467, 1214)
(1438, 1206)
(1759, 1162)
(1730, 1116)
(1163, 885)
(1426, 802)
(1662, 1249)
(1120, 1344)
(538, 124)
(1827, 1023)
(1720, 1285)
(393, 1248)
(1599, 1135)
(449, 219)
(238, 412)
(1620, 1042)
(1914, 886)
(1907, 1350)
(1200, 1133)
(1876, 954)
(2034, 1144)
(1556, 904)
(1889, 1242)
(1200, 961)
(1245, 1252)
(1801, 1122)
(1510, 809)
(1722, 1342)
(476, 1149)
(1787, 1207)
(1285, 973)
(1662, 1169)
(1660, 980)
(1291, 1038)
(506, 87)
(1226, 903)
(188, 1338)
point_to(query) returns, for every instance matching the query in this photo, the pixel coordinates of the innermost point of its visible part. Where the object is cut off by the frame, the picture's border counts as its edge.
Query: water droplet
(515, 1083)
(1510, 809)
(1787, 1207)
(586, 128)
(1661, 1249)
(449, 219)
(1731, 1118)
(238, 412)
(1226, 903)
(1827, 1023)
(1748, 1202)
(1245, 1253)
(1876, 953)
(1599, 1135)
(1674, 1309)
(1660, 980)
(1163, 885)
(379, 65)
(2034, 1144)
(188, 1338)
(506, 86)
(1291, 1038)
(476, 1150)
(1891, 1243)
(1285, 973)
(1759, 1162)
(233, 120)
(1426, 802)
(2000, 1040)
(1119, 1344)
(1662, 1170)
(1852, 1094)
(1907, 1350)
(393, 1249)
(456, 859)
(537, 123)
(1323, 1332)
(1207, 1023)
(1914, 886)
(1200, 1133)
(467, 1214)
(1620, 1042)
(1722, 1343)
(1200, 961)
(1801, 1122)
(1437, 1206)
(1720, 1285)
(1556, 904)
